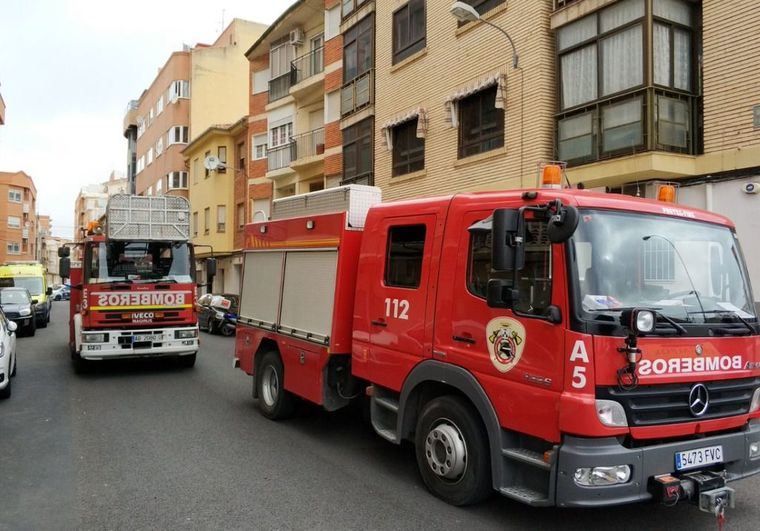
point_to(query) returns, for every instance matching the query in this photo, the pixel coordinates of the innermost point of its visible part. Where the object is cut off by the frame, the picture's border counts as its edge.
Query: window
(358, 153)
(408, 30)
(150, 116)
(14, 248)
(403, 265)
(150, 190)
(150, 156)
(259, 143)
(221, 153)
(408, 150)
(280, 55)
(178, 89)
(221, 218)
(607, 106)
(195, 223)
(481, 124)
(14, 222)
(240, 216)
(358, 52)
(260, 209)
(14, 195)
(281, 135)
(141, 164)
(206, 155)
(160, 146)
(178, 135)
(349, 6)
(206, 219)
(160, 105)
(484, 6)
(533, 280)
(177, 179)
(159, 186)
(241, 156)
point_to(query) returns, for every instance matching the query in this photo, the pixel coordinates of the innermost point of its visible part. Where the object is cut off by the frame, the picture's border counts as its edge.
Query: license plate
(141, 338)
(699, 457)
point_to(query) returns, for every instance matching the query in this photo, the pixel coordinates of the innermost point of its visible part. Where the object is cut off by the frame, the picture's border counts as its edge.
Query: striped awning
(451, 104)
(422, 125)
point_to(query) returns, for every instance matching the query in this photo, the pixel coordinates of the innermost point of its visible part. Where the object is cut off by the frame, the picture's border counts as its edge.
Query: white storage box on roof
(355, 199)
(135, 217)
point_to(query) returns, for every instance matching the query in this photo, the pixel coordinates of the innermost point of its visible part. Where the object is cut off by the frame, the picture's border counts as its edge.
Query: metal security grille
(650, 405)
(659, 261)
(133, 217)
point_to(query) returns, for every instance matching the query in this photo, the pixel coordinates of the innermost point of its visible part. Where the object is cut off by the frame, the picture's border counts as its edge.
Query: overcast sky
(68, 68)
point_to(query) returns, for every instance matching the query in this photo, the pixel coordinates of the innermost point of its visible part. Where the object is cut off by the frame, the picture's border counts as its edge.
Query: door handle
(464, 339)
(379, 322)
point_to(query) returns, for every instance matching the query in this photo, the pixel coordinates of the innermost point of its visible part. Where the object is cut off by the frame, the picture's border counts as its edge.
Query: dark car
(19, 307)
(215, 310)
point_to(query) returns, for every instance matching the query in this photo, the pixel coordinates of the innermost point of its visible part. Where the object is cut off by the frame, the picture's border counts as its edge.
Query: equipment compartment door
(399, 297)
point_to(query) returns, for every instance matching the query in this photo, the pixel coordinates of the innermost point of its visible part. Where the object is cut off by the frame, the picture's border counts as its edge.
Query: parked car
(217, 313)
(61, 293)
(19, 307)
(7, 355)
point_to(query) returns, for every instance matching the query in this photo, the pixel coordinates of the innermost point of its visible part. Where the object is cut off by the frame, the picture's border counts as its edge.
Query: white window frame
(14, 224)
(178, 131)
(259, 143)
(13, 248)
(160, 105)
(159, 186)
(177, 180)
(281, 135)
(15, 195)
(221, 214)
(150, 156)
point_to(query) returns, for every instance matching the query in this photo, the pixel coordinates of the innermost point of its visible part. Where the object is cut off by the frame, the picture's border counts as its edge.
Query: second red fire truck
(561, 347)
(133, 294)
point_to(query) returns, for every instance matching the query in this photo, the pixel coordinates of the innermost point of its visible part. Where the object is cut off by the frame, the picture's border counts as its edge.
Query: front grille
(12, 315)
(649, 405)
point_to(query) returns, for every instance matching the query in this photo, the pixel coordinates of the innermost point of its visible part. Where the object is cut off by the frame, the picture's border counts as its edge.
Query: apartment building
(92, 200)
(18, 217)
(157, 128)
(49, 258)
(2, 110)
(218, 200)
(453, 112)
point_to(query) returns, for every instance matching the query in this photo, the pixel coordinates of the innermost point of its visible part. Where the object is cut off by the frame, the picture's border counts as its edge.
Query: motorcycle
(224, 322)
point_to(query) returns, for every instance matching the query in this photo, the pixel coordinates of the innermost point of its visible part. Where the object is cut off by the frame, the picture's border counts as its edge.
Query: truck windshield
(138, 261)
(690, 271)
(33, 284)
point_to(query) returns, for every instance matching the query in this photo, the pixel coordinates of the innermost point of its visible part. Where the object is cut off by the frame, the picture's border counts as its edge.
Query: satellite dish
(211, 163)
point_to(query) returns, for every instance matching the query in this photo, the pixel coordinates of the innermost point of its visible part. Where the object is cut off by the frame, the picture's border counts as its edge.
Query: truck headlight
(185, 334)
(25, 311)
(611, 413)
(754, 450)
(755, 404)
(95, 338)
(601, 476)
(645, 321)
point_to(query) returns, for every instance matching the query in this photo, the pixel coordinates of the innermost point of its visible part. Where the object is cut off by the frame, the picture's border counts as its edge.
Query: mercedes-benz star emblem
(699, 399)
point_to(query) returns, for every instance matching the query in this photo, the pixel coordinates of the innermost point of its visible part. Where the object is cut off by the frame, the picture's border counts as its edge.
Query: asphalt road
(147, 445)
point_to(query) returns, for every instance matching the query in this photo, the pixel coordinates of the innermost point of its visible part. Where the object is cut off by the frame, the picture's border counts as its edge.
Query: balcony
(305, 74)
(367, 179)
(358, 93)
(279, 87)
(26, 208)
(25, 233)
(307, 148)
(279, 157)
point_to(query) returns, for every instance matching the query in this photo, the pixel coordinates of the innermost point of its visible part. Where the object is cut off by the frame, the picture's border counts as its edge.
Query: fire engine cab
(560, 346)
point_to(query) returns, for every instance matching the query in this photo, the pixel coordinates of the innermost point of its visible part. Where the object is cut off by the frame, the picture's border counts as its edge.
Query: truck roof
(579, 198)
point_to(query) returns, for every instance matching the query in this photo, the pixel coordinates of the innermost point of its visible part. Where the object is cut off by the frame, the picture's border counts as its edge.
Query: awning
(451, 104)
(422, 125)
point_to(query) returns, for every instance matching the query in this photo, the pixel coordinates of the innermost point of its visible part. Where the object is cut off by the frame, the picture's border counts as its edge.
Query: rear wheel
(227, 330)
(452, 451)
(274, 401)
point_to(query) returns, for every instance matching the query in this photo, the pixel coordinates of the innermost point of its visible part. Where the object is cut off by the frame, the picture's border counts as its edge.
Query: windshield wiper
(732, 313)
(679, 329)
(121, 281)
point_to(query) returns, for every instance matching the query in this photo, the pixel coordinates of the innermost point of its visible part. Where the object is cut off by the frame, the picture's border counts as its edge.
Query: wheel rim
(270, 386)
(446, 450)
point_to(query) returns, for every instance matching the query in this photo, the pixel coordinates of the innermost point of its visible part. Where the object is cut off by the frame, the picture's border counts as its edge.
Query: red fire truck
(133, 294)
(560, 346)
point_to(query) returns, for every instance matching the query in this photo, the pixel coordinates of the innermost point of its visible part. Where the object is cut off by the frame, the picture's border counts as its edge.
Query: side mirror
(12, 327)
(49, 291)
(35, 301)
(64, 267)
(507, 251)
(64, 252)
(500, 293)
(562, 225)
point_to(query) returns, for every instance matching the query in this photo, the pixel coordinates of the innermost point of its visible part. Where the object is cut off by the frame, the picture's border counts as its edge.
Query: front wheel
(227, 330)
(274, 401)
(452, 451)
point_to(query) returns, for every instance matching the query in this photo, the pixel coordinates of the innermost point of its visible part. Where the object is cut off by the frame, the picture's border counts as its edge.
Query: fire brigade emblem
(506, 341)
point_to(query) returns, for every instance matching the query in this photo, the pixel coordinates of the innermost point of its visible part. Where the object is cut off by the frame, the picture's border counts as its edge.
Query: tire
(81, 366)
(32, 329)
(187, 361)
(227, 331)
(44, 322)
(452, 451)
(6, 393)
(275, 402)
(15, 365)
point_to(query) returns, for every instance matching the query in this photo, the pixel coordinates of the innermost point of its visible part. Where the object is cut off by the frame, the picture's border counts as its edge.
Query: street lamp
(464, 12)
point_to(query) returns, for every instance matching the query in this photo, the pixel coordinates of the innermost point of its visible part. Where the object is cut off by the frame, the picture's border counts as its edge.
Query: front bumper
(130, 343)
(22, 322)
(645, 463)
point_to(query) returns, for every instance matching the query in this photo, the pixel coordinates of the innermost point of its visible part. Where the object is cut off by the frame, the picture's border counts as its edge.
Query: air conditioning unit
(296, 36)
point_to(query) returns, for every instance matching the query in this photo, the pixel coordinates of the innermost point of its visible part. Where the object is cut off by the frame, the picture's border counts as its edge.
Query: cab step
(526, 456)
(384, 413)
(526, 495)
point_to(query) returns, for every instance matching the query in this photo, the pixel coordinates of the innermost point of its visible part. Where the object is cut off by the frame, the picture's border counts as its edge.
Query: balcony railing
(26, 208)
(357, 93)
(308, 144)
(279, 157)
(364, 178)
(307, 65)
(279, 86)
(25, 233)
